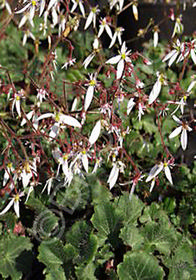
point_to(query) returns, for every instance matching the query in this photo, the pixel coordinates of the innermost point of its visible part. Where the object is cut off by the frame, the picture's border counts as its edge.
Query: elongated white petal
(88, 60)
(89, 20)
(120, 69)
(95, 133)
(16, 208)
(168, 174)
(52, 3)
(18, 107)
(101, 29)
(88, 97)
(155, 39)
(155, 170)
(175, 132)
(135, 11)
(108, 30)
(172, 59)
(193, 55)
(191, 86)
(113, 176)
(44, 116)
(32, 13)
(69, 120)
(85, 162)
(183, 139)
(7, 207)
(26, 178)
(42, 6)
(132, 191)
(114, 59)
(113, 40)
(176, 119)
(22, 22)
(82, 9)
(8, 8)
(152, 184)
(74, 7)
(130, 105)
(155, 92)
(169, 55)
(28, 116)
(6, 177)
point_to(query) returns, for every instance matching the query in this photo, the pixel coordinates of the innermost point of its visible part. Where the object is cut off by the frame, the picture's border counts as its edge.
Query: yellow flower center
(123, 55)
(84, 152)
(33, 3)
(17, 97)
(92, 83)
(57, 117)
(65, 157)
(94, 9)
(185, 97)
(27, 167)
(165, 164)
(161, 79)
(9, 165)
(16, 198)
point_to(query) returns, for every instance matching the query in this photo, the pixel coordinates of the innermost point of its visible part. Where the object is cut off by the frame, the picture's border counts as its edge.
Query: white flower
(60, 119)
(78, 3)
(16, 101)
(69, 63)
(90, 57)
(156, 169)
(120, 60)
(91, 17)
(117, 167)
(183, 128)
(14, 201)
(117, 35)
(156, 88)
(90, 91)
(28, 171)
(104, 26)
(48, 185)
(178, 27)
(97, 164)
(41, 95)
(119, 4)
(95, 133)
(172, 55)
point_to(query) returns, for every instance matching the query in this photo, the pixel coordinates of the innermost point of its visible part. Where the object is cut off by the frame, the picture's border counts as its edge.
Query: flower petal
(168, 174)
(175, 132)
(89, 97)
(69, 120)
(120, 69)
(183, 139)
(7, 207)
(155, 92)
(95, 133)
(114, 59)
(44, 116)
(113, 176)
